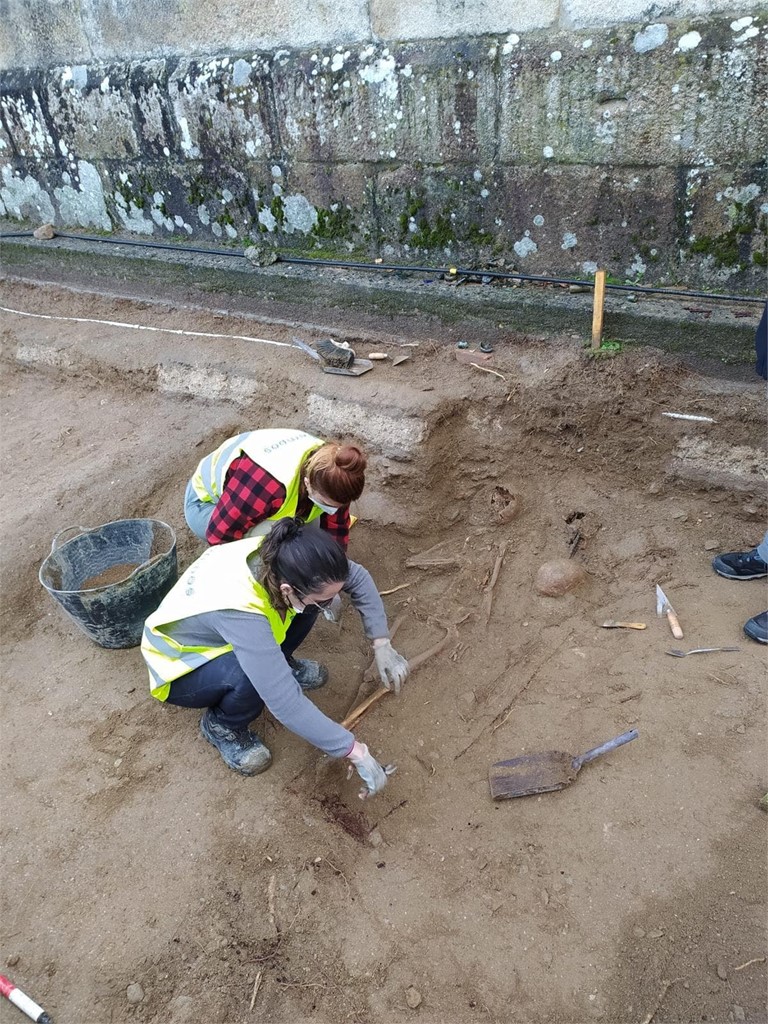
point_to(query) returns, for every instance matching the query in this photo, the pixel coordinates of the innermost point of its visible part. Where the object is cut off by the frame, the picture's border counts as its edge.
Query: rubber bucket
(112, 612)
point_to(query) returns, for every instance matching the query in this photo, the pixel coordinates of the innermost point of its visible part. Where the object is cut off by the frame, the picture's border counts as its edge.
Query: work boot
(310, 675)
(740, 565)
(241, 750)
(756, 628)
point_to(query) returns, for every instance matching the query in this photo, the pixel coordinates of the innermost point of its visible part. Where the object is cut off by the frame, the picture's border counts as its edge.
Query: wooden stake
(598, 309)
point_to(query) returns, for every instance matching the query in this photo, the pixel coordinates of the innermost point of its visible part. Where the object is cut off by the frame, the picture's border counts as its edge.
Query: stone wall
(547, 134)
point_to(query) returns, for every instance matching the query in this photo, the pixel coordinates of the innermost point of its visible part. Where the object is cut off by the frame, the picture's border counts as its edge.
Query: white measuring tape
(144, 327)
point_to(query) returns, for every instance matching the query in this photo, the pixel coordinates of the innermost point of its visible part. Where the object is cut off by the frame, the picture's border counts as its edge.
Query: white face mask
(329, 509)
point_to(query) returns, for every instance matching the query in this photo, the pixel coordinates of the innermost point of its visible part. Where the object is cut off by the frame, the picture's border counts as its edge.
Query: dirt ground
(131, 855)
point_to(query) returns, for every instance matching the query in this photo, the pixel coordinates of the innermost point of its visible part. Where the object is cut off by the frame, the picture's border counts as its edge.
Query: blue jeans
(762, 548)
(197, 513)
(223, 686)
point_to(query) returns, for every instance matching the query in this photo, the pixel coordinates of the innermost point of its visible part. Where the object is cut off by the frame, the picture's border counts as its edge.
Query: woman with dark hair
(223, 639)
(258, 477)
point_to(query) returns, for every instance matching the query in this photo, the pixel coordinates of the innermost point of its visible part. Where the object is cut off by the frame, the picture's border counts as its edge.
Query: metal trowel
(663, 607)
(335, 358)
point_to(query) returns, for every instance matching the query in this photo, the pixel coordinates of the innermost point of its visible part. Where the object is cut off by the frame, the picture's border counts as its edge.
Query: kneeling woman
(260, 476)
(223, 639)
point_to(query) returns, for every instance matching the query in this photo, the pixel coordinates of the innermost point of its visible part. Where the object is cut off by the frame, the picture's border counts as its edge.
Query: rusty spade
(663, 607)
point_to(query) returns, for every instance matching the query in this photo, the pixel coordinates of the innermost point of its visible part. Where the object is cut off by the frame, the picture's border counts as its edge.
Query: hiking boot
(740, 565)
(757, 628)
(310, 675)
(241, 750)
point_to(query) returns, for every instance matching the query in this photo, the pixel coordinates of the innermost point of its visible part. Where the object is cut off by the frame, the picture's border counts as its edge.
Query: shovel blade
(531, 774)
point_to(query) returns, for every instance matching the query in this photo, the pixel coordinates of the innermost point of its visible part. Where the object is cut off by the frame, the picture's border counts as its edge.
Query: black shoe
(310, 675)
(757, 628)
(240, 749)
(740, 565)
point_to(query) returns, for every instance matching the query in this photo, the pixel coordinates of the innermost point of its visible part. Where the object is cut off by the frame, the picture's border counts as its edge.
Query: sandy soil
(132, 855)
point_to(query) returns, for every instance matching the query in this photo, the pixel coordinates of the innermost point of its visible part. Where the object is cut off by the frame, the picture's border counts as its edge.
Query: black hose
(502, 275)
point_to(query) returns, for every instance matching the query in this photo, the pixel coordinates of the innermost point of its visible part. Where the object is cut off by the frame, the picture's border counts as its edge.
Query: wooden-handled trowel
(663, 607)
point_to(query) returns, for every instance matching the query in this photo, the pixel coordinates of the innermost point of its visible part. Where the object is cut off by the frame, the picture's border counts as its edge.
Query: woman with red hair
(256, 478)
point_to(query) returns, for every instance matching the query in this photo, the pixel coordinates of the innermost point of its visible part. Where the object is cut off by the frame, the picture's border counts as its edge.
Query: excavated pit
(132, 854)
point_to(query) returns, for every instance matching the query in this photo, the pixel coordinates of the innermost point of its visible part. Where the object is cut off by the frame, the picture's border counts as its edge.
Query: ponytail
(302, 556)
(337, 471)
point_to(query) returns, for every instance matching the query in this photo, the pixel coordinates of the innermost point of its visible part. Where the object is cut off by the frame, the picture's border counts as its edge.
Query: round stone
(413, 998)
(134, 993)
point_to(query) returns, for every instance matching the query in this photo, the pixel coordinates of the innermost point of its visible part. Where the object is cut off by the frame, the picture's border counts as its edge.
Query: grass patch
(609, 348)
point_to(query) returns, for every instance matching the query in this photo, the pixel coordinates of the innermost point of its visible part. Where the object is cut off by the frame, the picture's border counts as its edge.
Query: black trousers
(223, 686)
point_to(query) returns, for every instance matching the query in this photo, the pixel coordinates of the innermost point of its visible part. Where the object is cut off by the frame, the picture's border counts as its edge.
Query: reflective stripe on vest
(280, 452)
(220, 580)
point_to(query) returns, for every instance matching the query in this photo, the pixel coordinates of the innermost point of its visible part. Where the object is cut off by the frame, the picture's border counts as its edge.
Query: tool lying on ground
(336, 358)
(545, 772)
(677, 653)
(612, 624)
(25, 1004)
(663, 607)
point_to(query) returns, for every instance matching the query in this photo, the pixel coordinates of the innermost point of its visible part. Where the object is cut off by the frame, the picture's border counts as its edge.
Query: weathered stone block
(94, 118)
(208, 382)
(585, 13)
(396, 435)
(400, 19)
(268, 25)
(213, 118)
(37, 33)
(716, 464)
(611, 104)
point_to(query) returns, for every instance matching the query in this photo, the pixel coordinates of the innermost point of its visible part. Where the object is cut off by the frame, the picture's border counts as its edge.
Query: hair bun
(286, 529)
(351, 459)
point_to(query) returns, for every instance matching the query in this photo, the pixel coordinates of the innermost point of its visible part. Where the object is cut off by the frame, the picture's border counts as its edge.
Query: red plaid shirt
(251, 495)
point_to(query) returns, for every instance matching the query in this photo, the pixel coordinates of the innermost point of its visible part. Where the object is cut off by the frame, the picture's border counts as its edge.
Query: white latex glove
(393, 668)
(368, 768)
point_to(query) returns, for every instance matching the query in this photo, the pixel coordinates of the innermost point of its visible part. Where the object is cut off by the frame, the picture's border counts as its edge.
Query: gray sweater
(261, 659)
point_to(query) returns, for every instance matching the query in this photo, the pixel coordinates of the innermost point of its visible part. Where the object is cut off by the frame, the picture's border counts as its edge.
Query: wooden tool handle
(361, 708)
(674, 625)
(624, 625)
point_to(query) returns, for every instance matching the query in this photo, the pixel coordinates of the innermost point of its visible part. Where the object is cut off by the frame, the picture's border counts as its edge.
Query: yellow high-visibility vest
(280, 452)
(219, 580)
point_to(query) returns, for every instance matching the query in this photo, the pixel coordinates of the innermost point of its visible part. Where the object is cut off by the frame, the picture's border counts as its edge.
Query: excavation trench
(133, 855)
